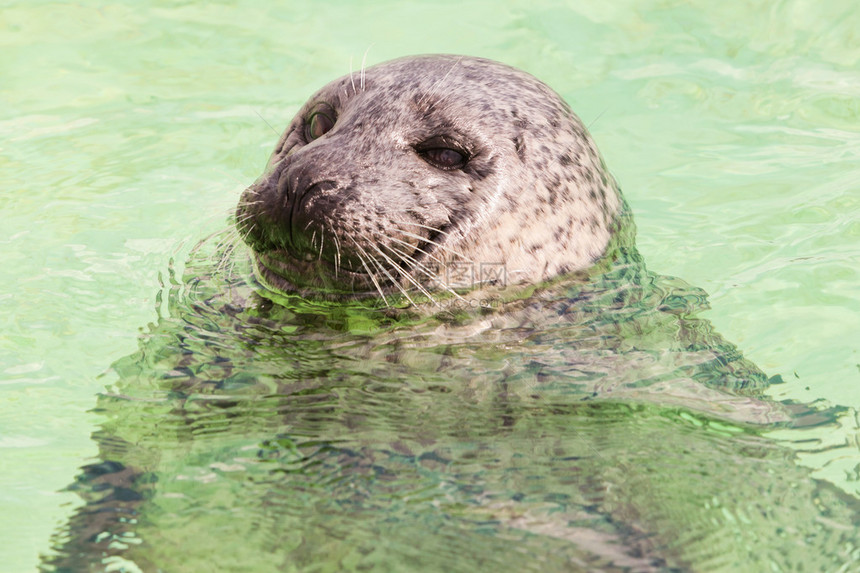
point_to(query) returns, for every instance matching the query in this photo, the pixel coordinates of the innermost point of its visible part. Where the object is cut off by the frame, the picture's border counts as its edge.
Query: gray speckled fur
(534, 196)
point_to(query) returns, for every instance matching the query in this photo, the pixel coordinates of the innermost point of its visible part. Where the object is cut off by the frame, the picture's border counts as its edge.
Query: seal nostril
(284, 188)
(306, 198)
(313, 206)
(321, 186)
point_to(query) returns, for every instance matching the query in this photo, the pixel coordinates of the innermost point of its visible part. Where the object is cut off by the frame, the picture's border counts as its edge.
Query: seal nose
(263, 212)
(297, 206)
(312, 205)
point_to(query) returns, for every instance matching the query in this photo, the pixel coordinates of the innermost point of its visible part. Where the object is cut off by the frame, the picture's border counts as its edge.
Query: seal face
(421, 174)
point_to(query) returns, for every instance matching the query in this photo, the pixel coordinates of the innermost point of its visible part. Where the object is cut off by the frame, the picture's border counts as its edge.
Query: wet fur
(359, 212)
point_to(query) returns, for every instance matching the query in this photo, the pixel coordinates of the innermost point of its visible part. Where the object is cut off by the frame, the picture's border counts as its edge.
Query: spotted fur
(360, 211)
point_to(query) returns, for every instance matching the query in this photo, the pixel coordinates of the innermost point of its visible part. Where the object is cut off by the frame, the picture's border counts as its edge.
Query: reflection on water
(595, 424)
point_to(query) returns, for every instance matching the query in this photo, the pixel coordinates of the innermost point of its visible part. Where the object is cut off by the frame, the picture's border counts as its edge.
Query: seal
(572, 426)
(429, 173)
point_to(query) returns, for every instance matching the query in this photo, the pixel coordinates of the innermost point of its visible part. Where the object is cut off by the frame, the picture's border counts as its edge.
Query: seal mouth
(369, 275)
(329, 249)
(280, 271)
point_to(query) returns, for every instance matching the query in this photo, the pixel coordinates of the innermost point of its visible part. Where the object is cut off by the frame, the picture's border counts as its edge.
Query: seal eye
(318, 124)
(444, 158)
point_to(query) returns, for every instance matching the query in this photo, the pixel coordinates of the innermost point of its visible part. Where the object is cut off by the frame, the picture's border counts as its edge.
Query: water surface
(128, 131)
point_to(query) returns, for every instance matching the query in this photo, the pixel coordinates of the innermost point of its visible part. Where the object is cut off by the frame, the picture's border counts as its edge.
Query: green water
(127, 132)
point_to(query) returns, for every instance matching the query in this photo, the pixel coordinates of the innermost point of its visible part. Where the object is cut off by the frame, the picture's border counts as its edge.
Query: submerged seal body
(574, 427)
(428, 173)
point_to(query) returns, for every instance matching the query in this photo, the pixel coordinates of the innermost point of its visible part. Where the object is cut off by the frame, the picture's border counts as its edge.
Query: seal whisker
(228, 239)
(227, 244)
(395, 283)
(418, 266)
(352, 79)
(404, 274)
(242, 228)
(245, 233)
(266, 122)
(231, 237)
(599, 115)
(226, 264)
(438, 83)
(382, 268)
(337, 256)
(369, 272)
(437, 245)
(364, 65)
(435, 230)
(411, 246)
(242, 219)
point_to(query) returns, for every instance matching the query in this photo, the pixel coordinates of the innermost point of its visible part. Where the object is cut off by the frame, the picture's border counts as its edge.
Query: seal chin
(284, 274)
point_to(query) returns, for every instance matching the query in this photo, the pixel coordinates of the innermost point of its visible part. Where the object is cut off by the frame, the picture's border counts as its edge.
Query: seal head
(429, 173)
